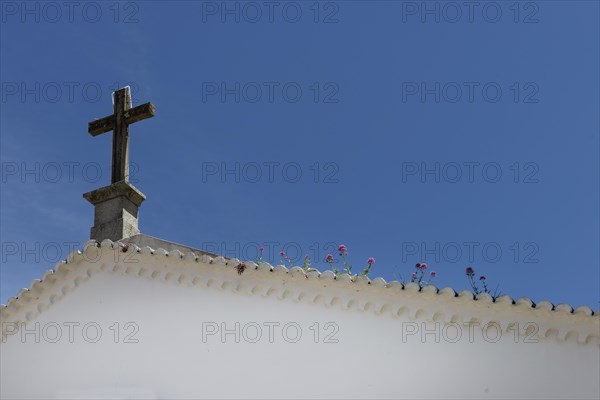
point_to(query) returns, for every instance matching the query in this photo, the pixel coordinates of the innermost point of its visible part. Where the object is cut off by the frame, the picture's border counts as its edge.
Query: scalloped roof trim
(543, 309)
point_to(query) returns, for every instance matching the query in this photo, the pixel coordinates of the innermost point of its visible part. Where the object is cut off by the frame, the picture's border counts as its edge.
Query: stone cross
(119, 123)
(116, 206)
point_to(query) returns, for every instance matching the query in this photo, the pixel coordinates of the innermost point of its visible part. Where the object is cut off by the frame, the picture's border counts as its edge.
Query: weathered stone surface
(116, 190)
(115, 211)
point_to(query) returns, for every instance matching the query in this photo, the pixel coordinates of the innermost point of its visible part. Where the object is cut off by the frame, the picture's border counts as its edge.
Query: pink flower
(371, 260)
(423, 266)
(281, 253)
(342, 249)
(482, 278)
(329, 258)
(414, 275)
(470, 271)
(261, 249)
(432, 273)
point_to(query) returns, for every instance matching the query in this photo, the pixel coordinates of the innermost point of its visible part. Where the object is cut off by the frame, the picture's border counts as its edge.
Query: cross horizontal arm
(139, 113)
(135, 114)
(101, 125)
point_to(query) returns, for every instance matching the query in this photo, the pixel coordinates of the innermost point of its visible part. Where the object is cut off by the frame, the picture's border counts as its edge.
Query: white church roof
(377, 296)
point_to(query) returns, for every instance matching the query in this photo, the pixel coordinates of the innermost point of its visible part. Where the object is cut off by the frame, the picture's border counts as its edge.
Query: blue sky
(438, 133)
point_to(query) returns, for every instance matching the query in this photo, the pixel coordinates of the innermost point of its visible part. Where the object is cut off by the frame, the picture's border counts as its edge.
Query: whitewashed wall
(365, 355)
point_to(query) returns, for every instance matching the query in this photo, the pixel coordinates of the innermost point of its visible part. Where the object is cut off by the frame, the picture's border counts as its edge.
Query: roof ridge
(64, 268)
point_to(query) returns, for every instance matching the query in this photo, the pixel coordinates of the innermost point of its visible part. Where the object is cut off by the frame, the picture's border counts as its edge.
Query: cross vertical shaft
(120, 142)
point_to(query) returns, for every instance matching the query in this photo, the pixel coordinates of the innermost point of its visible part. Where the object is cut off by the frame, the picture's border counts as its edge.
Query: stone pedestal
(115, 211)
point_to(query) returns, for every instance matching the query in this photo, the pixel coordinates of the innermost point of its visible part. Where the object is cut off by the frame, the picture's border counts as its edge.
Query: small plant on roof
(470, 272)
(343, 252)
(307, 262)
(420, 276)
(329, 260)
(259, 257)
(370, 262)
(285, 259)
